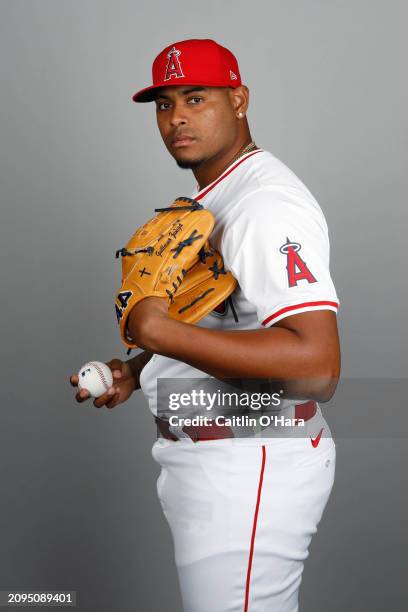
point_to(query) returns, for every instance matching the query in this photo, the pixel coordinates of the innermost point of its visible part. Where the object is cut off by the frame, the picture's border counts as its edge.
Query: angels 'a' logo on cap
(173, 68)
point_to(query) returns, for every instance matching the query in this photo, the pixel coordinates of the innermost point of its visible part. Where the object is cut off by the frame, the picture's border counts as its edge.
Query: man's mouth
(182, 141)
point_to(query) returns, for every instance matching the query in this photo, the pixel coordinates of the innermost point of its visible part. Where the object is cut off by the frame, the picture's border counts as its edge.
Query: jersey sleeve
(277, 247)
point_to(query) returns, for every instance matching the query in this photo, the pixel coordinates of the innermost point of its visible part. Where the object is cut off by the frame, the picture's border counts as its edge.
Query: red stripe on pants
(251, 552)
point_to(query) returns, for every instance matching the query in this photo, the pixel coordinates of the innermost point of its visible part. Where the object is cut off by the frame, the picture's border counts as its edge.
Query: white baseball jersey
(242, 511)
(273, 237)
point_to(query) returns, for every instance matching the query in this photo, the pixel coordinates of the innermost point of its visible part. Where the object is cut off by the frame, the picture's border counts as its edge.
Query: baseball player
(242, 510)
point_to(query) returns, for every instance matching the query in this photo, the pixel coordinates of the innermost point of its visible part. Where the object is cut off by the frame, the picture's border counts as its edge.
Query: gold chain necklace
(249, 147)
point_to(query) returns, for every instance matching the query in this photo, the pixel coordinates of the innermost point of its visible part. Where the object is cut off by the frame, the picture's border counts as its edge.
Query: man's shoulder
(269, 172)
(268, 184)
(265, 189)
(272, 197)
(260, 176)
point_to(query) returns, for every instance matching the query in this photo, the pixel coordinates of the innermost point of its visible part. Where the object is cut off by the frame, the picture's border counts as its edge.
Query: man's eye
(195, 100)
(162, 105)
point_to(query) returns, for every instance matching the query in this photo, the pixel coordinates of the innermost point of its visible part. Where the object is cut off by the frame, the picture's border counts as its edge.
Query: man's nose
(178, 116)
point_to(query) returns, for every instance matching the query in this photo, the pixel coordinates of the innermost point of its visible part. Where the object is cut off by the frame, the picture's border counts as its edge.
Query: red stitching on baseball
(101, 374)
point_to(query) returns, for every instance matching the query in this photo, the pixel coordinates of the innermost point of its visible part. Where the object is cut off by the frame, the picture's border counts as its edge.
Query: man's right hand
(124, 383)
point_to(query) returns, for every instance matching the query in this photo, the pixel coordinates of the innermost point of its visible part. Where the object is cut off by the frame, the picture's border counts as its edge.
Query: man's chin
(189, 164)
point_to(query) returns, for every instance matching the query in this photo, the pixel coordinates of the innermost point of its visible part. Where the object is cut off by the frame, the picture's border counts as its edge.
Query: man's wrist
(136, 365)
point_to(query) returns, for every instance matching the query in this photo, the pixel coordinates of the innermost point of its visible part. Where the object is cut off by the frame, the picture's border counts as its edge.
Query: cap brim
(145, 95)
(149, 93)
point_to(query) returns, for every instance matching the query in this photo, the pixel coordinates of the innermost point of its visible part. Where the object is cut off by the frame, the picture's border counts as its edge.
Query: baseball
(96, 377)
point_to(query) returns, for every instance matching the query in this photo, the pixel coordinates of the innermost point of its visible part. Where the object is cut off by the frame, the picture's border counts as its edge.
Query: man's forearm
(275, 353)
(264, 353)
(302, 349)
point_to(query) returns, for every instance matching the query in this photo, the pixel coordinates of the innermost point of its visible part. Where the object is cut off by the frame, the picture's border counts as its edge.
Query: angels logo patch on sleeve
(296, 267)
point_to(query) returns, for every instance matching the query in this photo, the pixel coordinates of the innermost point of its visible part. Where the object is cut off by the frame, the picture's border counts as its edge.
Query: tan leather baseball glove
(171, 257)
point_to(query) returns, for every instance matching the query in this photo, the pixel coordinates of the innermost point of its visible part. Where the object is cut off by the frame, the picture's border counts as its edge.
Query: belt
(215, 431)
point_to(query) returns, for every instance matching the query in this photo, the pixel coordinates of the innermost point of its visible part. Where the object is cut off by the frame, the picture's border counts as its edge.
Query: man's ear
(240, 99)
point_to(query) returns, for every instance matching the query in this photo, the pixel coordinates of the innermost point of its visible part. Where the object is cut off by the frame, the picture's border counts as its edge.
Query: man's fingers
(113, 397)
(82, 395)
(74, 380)
(99, 402)
(113, 402)
(103, 399)
(115, 364)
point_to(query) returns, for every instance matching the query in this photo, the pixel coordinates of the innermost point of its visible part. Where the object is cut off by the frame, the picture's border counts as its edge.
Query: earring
(240, 115)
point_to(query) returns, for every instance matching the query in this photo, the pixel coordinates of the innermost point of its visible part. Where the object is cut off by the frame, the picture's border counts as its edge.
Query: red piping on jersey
(251, 552)
(304, 305)
(226, 174)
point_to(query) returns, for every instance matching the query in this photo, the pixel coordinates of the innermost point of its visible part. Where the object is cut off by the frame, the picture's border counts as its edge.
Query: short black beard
(189, 165)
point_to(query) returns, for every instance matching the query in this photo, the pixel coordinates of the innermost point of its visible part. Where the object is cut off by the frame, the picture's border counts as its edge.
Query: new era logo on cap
(192, 62)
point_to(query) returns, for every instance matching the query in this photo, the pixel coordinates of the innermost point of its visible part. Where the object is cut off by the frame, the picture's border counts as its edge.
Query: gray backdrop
(81, 167)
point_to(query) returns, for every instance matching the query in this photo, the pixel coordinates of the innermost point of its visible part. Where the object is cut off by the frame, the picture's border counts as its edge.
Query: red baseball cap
(192, 62)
